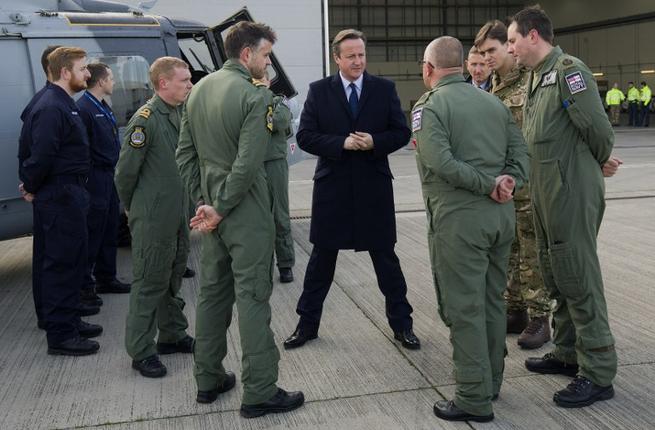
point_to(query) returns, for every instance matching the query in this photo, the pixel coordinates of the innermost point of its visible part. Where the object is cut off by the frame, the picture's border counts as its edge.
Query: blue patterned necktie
(353, 101)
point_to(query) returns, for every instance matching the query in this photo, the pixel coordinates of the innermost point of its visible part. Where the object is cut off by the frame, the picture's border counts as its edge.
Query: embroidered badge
(549, 78)
(138, 138)
(144, 113)
(417, 116)
(576, 82)
(567, 62)
(292, 146)
(269, 118)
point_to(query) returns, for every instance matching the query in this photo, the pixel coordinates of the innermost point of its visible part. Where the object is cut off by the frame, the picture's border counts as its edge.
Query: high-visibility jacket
(614, 97)
(646, 95)
(633, 95)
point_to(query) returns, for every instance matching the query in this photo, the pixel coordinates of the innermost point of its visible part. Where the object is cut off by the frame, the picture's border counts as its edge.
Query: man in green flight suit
(226, 129)
(470, 155)
(570, 140)
(149, 185)
(277, 173)
(525, 288)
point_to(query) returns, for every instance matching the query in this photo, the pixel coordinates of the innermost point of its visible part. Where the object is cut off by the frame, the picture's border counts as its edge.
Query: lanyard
(108, 114)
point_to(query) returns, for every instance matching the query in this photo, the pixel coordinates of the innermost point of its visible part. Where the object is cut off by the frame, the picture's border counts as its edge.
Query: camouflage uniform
(525, 287)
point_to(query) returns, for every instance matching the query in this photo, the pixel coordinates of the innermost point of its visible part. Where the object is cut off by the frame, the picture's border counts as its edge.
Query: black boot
(548, 365)
(582, 392)
(447, 410)
(286, 275)
(184, 345)
(517, 321)
(75, 346)
(88, 330)
(113, 286)
(282, 401)
(150, 367)
(210, 396)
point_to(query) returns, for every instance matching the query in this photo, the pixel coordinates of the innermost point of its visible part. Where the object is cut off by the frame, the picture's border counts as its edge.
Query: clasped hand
(503, 191)
(358, 141)
(206, 219)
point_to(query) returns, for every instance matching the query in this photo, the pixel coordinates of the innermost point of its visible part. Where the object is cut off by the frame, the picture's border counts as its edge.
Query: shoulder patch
(567, 62)
(138, 138)
(269, 118)
(145, 113)
(417, 119)
(575, 82)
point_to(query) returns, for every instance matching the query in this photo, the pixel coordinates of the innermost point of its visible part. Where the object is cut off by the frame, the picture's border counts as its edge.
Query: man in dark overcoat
(352, 121)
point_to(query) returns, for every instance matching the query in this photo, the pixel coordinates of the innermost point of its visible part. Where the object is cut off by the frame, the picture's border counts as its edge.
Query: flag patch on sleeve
(417, 116)
(576, 82)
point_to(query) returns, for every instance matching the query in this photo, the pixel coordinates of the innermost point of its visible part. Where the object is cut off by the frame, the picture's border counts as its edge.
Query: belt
(68, 179)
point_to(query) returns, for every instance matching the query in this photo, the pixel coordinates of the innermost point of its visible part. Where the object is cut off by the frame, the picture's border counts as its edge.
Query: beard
(77, 85)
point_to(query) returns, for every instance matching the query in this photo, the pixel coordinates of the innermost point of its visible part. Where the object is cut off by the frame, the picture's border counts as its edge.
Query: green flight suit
(226, 129)
(277, 171)
(569, 139)
(525, 288)
(465, 138)
(149, 185)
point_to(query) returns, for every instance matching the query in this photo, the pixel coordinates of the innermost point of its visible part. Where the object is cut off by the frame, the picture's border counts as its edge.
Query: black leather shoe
(87, 310)
(548, 364)
(75, 346)
(88, 330)
(150, 367)
(286, 275)
(582, 392)
(210, 396)
(408, 338)
(298, 338)
(184, 345)
(446, 410)
(114, 286)
(189, 273)
(89, 297)
(517, 321)
(282, 401)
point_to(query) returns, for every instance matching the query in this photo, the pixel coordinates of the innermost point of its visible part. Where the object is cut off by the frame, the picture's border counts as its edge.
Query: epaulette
(145, 113)
(424, 98)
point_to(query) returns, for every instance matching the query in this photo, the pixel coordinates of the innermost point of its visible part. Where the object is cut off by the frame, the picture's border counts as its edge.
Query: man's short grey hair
(445, 52)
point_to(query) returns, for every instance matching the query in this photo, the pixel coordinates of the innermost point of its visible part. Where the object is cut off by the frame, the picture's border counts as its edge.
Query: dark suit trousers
(319, 276)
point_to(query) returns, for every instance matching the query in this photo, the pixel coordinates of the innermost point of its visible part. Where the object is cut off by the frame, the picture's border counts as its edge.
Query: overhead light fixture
(598, 74)
(647, 72)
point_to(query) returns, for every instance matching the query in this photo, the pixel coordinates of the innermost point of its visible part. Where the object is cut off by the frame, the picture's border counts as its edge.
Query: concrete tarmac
(355, 376)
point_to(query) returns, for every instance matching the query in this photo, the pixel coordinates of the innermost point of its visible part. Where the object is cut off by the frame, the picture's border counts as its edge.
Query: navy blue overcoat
(352, 202)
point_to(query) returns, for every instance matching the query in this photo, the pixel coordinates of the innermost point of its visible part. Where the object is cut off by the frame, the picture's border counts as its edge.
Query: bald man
(471, 156)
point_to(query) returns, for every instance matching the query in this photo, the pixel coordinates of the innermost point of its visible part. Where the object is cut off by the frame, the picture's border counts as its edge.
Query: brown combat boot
(535, 334)
(517, 321)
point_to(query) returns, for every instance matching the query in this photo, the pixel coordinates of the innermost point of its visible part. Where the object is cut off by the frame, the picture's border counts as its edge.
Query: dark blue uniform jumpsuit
(54, 165)
(103, 211)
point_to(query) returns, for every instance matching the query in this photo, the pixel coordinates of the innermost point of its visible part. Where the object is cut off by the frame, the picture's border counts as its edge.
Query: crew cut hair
(347, 34)
(494, 29)
(246, 34)
(98, 71)
(534, 18)
(63, 58)
(165, 66)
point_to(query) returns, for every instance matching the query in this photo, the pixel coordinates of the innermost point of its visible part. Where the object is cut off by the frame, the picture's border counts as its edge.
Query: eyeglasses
(422, 62)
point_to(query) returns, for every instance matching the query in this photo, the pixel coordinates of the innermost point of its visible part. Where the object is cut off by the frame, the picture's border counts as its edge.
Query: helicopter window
(195, 52)
(132, 86)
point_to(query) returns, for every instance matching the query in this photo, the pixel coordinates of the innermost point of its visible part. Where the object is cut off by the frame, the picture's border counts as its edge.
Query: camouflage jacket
(512, 91)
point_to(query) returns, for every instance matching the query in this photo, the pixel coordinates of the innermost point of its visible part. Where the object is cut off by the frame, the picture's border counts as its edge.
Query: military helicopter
(127, 39)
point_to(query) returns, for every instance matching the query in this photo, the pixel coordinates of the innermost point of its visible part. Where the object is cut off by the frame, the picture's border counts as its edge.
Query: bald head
(445, 52)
